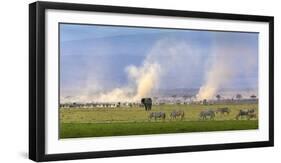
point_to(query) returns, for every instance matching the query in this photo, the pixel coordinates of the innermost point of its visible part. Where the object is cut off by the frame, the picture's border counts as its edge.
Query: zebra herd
(246, 113)
(242, 113)
(162, 115)
(208, 114)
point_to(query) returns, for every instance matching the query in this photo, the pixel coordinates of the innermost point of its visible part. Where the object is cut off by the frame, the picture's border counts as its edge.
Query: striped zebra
(207, 113)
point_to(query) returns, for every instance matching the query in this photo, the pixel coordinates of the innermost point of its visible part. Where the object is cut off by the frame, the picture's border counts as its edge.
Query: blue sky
(79, 32)
(96, 57)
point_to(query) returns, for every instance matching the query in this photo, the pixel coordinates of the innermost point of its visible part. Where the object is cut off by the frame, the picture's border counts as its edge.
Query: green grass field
(97, 122)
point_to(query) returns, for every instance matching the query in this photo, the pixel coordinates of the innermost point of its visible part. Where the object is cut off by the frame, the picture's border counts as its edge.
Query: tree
(205, 102)
(174, 96)
(218, 97)
(253, 96)
(238, 96)
(185, 97)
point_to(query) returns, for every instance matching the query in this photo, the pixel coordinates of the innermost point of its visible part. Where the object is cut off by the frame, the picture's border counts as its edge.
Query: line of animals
(162, 115)
(205, 114)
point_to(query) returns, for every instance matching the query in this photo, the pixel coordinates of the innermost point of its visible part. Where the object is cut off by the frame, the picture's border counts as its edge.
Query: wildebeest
(242, 113)
(147, 102)
(179, 113)
(156, 115)
(223, 110)
(207, 113)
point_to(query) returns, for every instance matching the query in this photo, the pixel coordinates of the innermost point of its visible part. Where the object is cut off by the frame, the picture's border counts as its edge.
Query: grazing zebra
(242, 113)
(207, 113)
(223, 110)
(156, 115)
(252, 115)
(174, 114)
(251, 110)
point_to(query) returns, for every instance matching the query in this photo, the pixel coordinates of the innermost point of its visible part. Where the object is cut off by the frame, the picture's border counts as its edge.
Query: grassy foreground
(98, 122)
(75, 130)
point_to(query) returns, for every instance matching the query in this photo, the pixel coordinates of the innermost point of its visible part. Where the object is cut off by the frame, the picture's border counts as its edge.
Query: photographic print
(108, 81)
(130, 80)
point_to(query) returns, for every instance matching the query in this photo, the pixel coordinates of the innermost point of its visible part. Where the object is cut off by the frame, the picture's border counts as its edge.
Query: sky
(96, 58)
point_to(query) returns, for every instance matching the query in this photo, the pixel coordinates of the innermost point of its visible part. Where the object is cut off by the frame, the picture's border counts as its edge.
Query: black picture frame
(37, 79)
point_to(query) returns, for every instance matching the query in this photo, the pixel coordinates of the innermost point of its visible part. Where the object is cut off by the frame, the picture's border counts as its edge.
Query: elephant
(147, 102)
